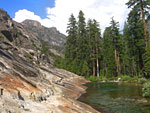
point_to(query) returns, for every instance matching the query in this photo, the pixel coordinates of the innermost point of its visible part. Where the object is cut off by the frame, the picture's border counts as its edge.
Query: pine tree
(109, 64)
(128, 67)
(93, 34)
(91, 42)
(85, 68)
(71, 43)
(98, 44)
(116, 45)
(137, 42)
(140, 7)
(82, 42)
(146, 57)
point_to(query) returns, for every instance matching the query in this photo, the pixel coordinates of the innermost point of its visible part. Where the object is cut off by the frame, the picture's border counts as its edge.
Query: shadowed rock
(7, 34)
(29, 83)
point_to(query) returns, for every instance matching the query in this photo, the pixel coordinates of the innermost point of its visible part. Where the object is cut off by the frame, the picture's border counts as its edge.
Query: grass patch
(93, 79)
(28, 56)
(124, 78)
(33, 43)
(45, 49)
(37, 64)
(103, 78)
(128, 78)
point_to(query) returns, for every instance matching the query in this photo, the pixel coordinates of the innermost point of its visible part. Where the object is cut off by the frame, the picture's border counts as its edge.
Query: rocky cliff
(29, 83)
(52, 36)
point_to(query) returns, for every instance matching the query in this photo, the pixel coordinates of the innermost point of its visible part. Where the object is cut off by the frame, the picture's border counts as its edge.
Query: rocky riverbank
(56, 93)
(29, 81)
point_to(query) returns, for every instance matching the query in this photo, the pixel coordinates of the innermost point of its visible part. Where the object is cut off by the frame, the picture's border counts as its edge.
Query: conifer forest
(89, 52)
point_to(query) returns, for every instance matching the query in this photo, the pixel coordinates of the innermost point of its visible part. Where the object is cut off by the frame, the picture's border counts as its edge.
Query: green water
(116, 98)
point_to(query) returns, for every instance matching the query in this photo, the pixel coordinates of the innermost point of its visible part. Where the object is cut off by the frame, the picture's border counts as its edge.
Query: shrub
(28, 56)
(33, 43)
(93, 79)
(125, 78)
(111, 79)
(37, 63)
(142, 80)
(128, 78)
(59, 62)
(133, 79)
(146, 89)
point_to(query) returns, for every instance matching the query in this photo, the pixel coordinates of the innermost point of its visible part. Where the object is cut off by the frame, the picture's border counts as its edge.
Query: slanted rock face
(7, 34)
(55, 39)
(29, 83)
(5, 20)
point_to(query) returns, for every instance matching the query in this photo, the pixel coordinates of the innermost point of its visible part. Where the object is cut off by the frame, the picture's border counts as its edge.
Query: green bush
(125, 78)
(59, 62)
(93, 79)
(142, 80)
(45, 49)
(101, 78)
(111, 79)
(146, 89)
(128, 78)
(133, 79)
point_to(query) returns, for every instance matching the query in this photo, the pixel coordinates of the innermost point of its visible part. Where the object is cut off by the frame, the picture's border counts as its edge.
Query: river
(116, 98)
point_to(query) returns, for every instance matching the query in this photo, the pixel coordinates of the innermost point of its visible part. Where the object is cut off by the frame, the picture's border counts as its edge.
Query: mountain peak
(3, 13)
(32, 22)
(51, 35)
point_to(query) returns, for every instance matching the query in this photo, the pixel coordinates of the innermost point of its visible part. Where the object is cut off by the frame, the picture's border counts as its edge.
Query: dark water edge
(116, 98)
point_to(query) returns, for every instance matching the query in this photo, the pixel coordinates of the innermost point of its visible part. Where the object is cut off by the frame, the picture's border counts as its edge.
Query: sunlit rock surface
(52, 36)
(29, 83)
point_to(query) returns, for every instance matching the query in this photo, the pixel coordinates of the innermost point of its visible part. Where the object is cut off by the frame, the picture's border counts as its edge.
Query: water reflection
(116, 97)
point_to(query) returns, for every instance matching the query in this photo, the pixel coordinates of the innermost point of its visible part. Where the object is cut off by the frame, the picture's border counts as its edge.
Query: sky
(55, 13)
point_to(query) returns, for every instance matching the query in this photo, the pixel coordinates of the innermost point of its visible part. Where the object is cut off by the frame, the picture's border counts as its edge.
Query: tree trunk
(105, 69)
(116, 59)
(97, 61)
(124, 68)
(143, 19)
(93, 68)
(119, 66)
(97, 67)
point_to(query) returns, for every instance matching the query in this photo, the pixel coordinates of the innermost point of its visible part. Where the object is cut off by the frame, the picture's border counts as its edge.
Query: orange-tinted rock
(29, 83)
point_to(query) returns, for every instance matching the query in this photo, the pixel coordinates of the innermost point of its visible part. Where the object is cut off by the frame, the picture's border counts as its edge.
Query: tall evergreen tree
(141, 7)
(97, 44)
(137, 42)
(71, 43)
(82, 42)
(115, 34)
(147, 61)
(128, 63)
(91, 42)
(93, 34)
(109, 64)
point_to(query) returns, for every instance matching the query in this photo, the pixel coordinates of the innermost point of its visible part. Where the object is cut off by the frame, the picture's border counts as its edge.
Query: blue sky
(55, 13)
(36, 6)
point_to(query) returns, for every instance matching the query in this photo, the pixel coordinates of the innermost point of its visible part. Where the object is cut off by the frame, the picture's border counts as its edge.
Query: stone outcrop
(52, 36)
(29, 83)
(55, 92)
